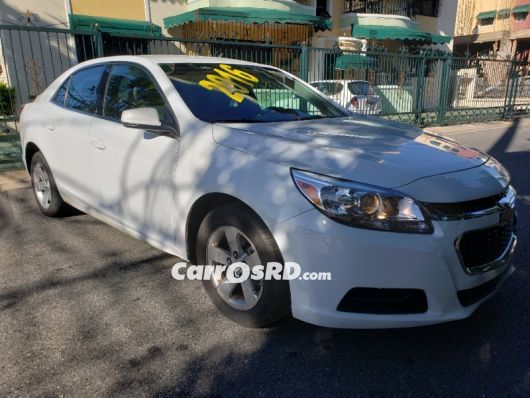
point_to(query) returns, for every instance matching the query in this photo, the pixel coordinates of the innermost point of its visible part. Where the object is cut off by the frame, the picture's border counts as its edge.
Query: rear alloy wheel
(44, 188)
(233, 233)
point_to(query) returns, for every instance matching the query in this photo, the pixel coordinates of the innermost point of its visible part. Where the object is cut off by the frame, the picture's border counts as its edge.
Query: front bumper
(360, 258)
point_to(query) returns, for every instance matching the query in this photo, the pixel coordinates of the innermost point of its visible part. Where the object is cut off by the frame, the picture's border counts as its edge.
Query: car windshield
(246, 93)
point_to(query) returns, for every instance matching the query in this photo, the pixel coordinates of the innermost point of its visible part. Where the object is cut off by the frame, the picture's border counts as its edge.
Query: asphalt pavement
(86, 310)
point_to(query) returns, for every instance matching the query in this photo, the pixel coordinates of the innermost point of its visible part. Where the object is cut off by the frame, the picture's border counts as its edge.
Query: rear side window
(80, 91)
(60, 96)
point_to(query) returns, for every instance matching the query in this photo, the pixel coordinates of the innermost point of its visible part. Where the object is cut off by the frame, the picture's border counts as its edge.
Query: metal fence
(420, 89)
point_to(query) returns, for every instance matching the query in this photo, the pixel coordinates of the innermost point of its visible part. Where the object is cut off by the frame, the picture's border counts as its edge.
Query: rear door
(70, 115)
(134, 169)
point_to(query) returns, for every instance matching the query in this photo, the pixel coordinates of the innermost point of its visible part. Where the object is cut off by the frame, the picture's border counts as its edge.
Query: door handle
(97, 143)
(50, 127)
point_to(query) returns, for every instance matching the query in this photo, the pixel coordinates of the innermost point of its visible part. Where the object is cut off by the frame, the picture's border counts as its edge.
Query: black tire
(55, 205)
(275, 302)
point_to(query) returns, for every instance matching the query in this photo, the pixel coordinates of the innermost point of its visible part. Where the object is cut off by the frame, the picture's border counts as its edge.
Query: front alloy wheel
(229, 245)
(234, 233)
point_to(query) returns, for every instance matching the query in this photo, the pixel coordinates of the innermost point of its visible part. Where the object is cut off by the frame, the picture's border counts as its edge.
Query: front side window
(246, 93)
(129, 87)
(82, 89)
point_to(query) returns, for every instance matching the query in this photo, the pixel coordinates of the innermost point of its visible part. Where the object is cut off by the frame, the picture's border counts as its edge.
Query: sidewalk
(475, 127)
(10, 151)
(14, 179)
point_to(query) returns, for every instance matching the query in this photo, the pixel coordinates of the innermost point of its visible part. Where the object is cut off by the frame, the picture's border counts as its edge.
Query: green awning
(440, 39)
(487, 15)
(113, 25)
(246, 15)
(354, 61)
(505, 12)
(382, 32)
(521, 9)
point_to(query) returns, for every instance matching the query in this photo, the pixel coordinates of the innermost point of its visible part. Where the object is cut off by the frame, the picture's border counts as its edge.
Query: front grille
(451, 210)
(484, 246)
(459, 210)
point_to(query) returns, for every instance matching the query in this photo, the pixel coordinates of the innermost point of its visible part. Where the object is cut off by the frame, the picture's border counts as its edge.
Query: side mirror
(145, 119)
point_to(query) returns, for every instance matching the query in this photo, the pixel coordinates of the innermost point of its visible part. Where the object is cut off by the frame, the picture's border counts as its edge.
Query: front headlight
(361, 205)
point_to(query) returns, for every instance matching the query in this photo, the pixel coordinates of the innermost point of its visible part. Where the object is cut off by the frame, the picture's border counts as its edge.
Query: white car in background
(355, 95)
(198, 157)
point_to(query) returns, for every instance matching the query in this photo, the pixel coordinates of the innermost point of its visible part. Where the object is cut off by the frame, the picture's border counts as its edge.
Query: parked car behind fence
(355, 95)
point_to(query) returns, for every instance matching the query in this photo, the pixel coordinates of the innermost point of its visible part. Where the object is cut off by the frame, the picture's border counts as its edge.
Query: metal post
(420, 89)
(511, 90)
(515, 86)
(98, 42)
(3, 115)
(304, 63)
(444, 89)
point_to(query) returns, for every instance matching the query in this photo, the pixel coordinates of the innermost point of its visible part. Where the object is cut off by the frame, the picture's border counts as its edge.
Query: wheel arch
(30, 150)
(198, 212)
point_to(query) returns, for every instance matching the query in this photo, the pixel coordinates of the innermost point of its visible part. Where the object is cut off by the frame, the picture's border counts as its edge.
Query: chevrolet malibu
(220, 161)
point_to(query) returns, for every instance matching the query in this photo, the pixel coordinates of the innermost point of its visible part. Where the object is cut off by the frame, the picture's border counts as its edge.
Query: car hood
(360, 148)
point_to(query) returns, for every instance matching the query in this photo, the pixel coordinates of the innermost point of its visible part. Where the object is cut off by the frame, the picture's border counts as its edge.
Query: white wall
(32, 60)
(447, 20)
(161, 9)
(49, 13)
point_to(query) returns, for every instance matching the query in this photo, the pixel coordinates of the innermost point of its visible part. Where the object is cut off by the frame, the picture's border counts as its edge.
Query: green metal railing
(420, 89)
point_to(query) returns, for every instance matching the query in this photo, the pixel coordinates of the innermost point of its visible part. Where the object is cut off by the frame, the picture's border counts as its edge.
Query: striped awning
(354, 61)
(521, 9)
(246, 15)
(382, 32)
(487, 15)
(114, 25)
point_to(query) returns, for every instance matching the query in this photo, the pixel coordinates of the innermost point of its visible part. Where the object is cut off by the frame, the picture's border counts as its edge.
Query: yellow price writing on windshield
(234, 83)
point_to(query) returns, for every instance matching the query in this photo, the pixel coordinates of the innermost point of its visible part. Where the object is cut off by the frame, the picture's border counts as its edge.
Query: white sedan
(196, 157)
(355, 95)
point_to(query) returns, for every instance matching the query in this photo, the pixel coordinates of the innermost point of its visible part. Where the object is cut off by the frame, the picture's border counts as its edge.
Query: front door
(134, 169)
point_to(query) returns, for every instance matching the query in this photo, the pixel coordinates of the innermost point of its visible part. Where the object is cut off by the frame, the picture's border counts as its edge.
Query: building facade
(392, 25)
(386, 24)
(499, 28)
(376, 25)
(280, 22)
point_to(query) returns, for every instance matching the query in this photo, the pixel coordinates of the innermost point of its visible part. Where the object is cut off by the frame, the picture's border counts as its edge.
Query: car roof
(171, 59)
(145, 60)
